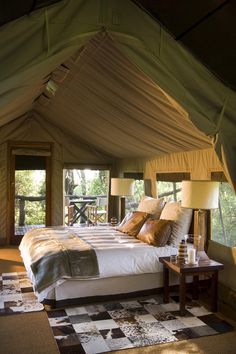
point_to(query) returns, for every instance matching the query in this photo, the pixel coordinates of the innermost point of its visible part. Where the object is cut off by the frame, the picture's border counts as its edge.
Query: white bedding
(118, 254)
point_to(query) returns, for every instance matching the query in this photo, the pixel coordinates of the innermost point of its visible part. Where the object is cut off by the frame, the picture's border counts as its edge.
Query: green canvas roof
(110, 77)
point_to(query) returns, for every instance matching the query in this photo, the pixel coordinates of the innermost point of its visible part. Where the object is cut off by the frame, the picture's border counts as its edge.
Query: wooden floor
(10, 260)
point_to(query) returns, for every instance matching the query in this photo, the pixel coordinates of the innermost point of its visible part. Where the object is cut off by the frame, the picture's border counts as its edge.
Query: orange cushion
(156, 232)
(133, 222)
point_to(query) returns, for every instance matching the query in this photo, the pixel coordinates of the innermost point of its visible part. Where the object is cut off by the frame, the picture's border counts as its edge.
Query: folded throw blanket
(58, 253)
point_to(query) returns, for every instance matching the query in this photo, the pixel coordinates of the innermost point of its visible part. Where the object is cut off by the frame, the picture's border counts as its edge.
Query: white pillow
(151, 206)
(182, 218)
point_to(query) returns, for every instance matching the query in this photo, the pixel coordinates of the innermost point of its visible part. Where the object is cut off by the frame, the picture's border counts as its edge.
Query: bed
(121, 263)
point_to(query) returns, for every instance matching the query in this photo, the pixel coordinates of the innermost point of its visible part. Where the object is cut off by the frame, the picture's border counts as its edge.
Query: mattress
(125, 263)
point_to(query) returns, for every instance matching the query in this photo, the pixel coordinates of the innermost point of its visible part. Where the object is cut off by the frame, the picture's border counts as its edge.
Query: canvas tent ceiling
(47, 38)
(189, 22)
(207, 28)
(122, 106)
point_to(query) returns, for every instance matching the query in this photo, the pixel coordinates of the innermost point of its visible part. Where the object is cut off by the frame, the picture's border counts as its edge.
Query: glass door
(30, 200)
(29, 192)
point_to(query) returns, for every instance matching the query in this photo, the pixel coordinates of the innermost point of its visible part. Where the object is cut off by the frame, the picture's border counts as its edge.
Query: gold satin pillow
(156, 232)
(133, 222)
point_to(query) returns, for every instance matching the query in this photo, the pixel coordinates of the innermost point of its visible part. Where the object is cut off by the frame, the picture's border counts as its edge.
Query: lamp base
(122, 208)
(200, 229)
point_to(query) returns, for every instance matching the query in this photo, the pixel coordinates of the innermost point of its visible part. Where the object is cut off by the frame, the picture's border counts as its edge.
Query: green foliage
(131, 203)
(169, 190)
(97, 185)
(35, 213)
(69, 182)
(138, 190)
(223, 218)
(30, 183)
(225, 233)
(24, 183)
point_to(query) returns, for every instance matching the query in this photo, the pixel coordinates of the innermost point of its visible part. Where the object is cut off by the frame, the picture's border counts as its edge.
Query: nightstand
(183, 270)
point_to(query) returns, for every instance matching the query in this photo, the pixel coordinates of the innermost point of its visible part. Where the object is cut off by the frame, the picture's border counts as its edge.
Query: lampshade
(200, 194)
(122, 186)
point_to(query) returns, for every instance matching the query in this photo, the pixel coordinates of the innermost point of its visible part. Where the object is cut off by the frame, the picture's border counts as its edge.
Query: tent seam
(47, 32)
(218, 125)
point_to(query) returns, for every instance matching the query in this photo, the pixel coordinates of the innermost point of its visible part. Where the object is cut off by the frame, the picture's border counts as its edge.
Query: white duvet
(118, 254)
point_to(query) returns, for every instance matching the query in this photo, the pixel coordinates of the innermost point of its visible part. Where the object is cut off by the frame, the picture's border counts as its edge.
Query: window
(169, 185)
(85, 188)
(171, 191)
(131, 203)
(86, 182)
(224, 218)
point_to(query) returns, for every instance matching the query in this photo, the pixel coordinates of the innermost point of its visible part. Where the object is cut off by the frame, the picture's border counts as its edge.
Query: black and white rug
(16, 294)
(110, 326)
(128, 324)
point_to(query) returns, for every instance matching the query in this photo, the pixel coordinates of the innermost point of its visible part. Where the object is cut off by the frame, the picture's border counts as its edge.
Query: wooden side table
(183, 270)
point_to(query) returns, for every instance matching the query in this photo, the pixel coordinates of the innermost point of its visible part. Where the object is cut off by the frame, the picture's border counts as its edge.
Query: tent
(106, 84)
(36, 45)
(85, 69)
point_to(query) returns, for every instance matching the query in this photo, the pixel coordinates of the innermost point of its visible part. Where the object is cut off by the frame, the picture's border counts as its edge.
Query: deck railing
(22, 199)
(21, 202)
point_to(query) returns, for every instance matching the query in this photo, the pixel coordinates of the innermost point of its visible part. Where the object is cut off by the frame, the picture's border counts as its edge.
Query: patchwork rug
(128, 324)
(16, 294)
(109, 326)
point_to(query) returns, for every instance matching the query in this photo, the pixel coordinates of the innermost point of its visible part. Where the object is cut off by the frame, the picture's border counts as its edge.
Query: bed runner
(58, 253)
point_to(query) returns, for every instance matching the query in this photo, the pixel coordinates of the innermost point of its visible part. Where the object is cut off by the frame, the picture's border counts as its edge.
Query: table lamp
(200, 195)
(122, 187)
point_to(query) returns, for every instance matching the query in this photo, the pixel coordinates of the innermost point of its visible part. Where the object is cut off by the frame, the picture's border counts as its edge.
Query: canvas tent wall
(198, 163)
(65, 152)
(128, 78)
(33, 46)
(104, 83)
